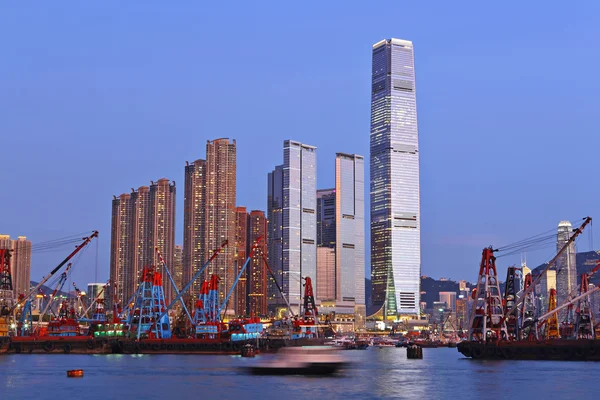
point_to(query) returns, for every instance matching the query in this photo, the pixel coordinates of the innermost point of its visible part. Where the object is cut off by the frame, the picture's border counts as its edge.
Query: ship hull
(88, 345)
(59, 345)
(557, 350)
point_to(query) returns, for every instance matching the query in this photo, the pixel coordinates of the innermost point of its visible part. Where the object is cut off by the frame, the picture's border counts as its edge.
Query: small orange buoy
(75, 373)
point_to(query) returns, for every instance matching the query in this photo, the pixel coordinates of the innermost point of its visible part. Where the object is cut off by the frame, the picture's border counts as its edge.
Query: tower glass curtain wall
(220, 212)
(566, 266)
(194, 224)
(394, 184)
(350, 233)
(326, 218)
(275, 237)
(299, 218)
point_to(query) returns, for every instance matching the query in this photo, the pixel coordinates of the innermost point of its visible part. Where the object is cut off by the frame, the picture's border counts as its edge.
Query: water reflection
(383, 373)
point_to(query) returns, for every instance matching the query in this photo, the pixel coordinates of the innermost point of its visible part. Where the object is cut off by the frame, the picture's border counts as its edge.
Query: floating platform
(558, 350)
(89, 345)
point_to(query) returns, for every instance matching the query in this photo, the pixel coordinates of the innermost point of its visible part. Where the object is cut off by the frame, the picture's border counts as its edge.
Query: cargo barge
(89, 345)
(557, 349)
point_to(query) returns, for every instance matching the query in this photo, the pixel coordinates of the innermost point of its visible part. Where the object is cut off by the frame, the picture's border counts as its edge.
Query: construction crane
(166, 268)
(528, 313)
(486, 322)
(86, 241)
(510, 297)
(576, 233)
(277, 284)
(571, 300)
(59, 286)
(99, 298)
(552, 322)
(7, 299)
(584, 318)
(151, 321)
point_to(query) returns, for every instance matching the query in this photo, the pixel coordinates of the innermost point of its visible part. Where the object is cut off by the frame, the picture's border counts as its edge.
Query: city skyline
(93, 85)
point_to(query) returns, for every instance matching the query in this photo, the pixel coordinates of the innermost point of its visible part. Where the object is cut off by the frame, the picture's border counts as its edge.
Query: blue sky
(99, 97)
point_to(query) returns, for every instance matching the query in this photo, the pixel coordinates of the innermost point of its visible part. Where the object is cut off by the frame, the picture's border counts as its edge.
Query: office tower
(299, 219)
(326, 274)
(20, 262)
(177, 270)
(141, 221)
(350, 232)
(257, 269)
(241, 253)
(194, 224)
(566, 266)
(450, 299)
(122, 248)
(275, 237)
(326, 218)
(220, 212)
(395, 198)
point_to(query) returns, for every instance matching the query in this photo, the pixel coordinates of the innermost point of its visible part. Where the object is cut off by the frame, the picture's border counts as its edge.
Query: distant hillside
(48, 291)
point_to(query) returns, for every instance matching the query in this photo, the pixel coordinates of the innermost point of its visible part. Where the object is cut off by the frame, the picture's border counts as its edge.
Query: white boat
(384, 343)
(304, 360)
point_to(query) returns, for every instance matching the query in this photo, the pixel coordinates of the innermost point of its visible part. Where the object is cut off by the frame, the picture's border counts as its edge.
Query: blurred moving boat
(308, 360)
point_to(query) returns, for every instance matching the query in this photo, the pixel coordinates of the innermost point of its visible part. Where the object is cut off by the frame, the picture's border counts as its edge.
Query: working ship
(144, 325)
(506, 326)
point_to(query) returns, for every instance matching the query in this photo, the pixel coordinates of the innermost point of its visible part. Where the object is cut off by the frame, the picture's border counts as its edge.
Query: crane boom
(86, 241)
(189, 284)
(162, 260)
(58, 287)
(277, 284)
(568, 303)
(550, 264)
(85, 313)
(224, 304)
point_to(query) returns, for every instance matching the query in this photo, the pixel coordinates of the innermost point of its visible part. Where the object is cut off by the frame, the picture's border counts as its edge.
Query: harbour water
(376, 373)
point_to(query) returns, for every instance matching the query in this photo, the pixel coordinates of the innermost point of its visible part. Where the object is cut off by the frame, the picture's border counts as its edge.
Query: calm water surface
(377, 373)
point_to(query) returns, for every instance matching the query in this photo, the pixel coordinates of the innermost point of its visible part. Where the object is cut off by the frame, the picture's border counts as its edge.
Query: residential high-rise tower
(241, 253)
(20, 262)
(394, 183)
(194, 224)
(220, 212)
(257, 269)
(141, 221)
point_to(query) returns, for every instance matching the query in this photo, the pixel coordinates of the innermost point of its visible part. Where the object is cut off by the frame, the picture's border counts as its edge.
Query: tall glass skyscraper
(350, 231)
(299, 248)
(395, 197)
(566, 266)
(275, 237)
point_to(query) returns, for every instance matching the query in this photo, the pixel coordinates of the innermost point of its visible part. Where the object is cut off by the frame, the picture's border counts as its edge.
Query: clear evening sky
(99, 97)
